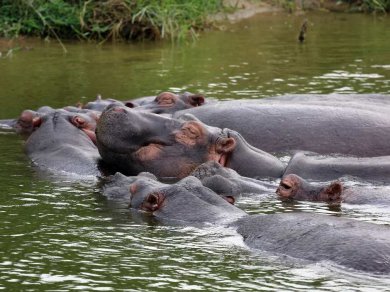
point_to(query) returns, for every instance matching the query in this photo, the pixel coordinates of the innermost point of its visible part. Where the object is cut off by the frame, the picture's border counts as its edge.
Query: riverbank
(146, 19)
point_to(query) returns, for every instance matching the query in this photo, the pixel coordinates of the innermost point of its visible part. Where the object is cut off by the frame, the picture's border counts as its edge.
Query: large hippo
(136, 141)
(306, 236)
(64, 141)
(294, 187)
(284, 126)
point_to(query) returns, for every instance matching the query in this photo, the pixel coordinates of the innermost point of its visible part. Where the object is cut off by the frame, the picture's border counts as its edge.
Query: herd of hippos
(212, 152)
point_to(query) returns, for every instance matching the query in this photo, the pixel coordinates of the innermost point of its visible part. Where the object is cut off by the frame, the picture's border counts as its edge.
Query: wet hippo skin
(136, 141)
(294, 187)
(325, 168)
(324, 129)
(64, 141)
(306, 236)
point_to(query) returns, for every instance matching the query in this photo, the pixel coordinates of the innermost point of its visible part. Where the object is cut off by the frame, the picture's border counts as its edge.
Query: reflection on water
(61, 234)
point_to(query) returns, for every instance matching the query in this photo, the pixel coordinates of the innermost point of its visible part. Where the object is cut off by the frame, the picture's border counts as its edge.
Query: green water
(58, 234)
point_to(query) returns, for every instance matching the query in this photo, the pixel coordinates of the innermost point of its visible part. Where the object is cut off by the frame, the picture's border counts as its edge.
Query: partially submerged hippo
(294, 187)
(163, 103)
(278, 127)
(307, 236)
(169, 103)
(135, 141)
(64, 141)
(99, 104)
(325, 168)
(228, 183)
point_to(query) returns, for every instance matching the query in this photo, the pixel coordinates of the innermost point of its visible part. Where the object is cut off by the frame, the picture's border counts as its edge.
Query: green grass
(106, 19)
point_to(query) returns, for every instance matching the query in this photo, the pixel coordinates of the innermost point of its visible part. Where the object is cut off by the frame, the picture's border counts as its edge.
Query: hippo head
(168, 102)
(137, 141)
(294, 187)
(62, 125)
(185, 201)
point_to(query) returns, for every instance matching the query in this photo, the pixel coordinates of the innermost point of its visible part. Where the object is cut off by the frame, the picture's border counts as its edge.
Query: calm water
(61, 234)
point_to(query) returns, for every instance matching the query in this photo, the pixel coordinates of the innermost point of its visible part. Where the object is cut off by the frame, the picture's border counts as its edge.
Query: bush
(107, 19)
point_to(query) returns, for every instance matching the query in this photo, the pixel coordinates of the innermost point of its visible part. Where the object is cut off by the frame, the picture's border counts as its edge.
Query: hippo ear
(226, 145)
(37, 121)
(196, 100)
(333, 192)
(78, 121)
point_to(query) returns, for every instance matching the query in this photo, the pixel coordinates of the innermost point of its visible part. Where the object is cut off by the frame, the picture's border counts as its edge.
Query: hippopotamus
(227, 183)
(169, 103)
(99, 104)
(64, 141)
(286, 126)
(373, 102)
(330, 167)
(294, 187)
(163, 103)
(136, 141)
(153, 143)
(29, 120)
(305, 236)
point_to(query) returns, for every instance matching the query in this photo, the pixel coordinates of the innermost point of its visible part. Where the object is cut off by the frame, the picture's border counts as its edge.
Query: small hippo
(306, 236)
(100, 104)
(294, 187)
(169, 103)
(228, 183)
(64, 141)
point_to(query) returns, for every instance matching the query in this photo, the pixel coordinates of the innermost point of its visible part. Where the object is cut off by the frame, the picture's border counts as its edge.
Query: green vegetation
(105, 19)
(375, 5)
(126, 19)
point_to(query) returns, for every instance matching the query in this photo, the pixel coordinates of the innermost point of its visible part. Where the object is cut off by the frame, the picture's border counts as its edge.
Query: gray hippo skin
(136, 141)
(294, 187)
(325, 168)
(169, 103)
(228, 183)
(64, 141)
(278, 127)
(306, 236)
(164, 103)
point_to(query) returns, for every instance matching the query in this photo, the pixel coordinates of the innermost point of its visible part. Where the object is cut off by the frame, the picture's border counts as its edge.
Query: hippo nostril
(285, 185)
(230, 199)
(133, 188)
